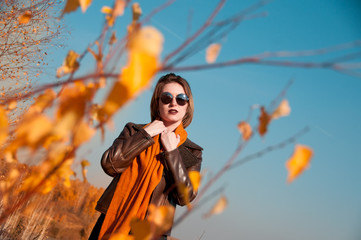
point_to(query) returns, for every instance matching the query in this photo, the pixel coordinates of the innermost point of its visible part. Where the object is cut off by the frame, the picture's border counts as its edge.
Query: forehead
(173, 88)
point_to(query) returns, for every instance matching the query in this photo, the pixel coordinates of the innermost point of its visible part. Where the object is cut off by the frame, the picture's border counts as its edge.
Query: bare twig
(196, 34)
(270, 148)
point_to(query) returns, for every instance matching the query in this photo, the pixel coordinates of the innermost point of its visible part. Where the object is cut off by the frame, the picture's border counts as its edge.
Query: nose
(173, 102)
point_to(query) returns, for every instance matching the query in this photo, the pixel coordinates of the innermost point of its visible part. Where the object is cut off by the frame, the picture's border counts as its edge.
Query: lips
(172, 111)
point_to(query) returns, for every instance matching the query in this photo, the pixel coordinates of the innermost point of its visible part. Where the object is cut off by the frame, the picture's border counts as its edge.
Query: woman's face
(173, 112)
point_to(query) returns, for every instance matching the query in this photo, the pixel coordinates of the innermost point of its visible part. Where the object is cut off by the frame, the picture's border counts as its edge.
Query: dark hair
(154, 103)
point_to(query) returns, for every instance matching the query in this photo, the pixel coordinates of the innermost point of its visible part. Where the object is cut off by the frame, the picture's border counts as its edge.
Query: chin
(171, 120)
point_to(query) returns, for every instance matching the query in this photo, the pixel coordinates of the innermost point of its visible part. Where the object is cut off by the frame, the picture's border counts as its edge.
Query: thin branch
(270, 148)
(60, 83)
(218, 31)
(250, 60)
(199, 32)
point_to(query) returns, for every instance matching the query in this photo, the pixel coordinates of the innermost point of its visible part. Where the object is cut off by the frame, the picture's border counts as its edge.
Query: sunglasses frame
(181, 99)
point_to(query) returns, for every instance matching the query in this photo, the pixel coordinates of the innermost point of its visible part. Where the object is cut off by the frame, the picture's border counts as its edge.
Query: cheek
(161, 110)
(184, 111)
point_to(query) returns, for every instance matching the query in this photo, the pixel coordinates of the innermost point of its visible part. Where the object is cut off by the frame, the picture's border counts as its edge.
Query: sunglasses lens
(182, 99)
(166, 98)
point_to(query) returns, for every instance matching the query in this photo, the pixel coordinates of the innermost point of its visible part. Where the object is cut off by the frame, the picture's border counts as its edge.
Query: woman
(148, 161)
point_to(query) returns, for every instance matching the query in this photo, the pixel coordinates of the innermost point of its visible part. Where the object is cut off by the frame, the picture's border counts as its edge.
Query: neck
(172, 126)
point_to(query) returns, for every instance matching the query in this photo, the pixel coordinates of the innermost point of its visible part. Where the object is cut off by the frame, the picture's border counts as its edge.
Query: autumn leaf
(106, 10)
(25, 17)
(148, 40)
(141, 229)
(282, 110)
(245, 129)
(144, 50)
(212, 52)
(84, 163)
(137, 11)
(119, 7)
(182, 188)
(43, 101)
(12, 105)
(39, 173)
(33, 130)
(121, 236)
(113, 13)
(72, 103)
(70, 64)
(3, 125)
(83, 133)
(161, 217)
(218, 207)
(195, 178)
(299, 161)
(71, 5)
(264, 120)
(84, 4)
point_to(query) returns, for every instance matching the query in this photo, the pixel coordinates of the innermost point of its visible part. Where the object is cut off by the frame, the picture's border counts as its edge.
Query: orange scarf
(134, 189)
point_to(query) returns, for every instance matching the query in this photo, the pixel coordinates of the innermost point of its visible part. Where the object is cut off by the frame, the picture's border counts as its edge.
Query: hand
(154, 128)
(169, 140)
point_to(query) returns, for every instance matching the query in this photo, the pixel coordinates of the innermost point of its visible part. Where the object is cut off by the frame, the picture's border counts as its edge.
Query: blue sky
(323, 203)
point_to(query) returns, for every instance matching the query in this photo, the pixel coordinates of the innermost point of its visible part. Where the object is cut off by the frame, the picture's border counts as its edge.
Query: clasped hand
(168, 138)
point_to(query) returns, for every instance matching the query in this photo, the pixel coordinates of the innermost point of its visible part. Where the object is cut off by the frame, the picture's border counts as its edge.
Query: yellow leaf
(44, 100)
(148, 40)
(74, 99)
(33, 129)
(3, 126)
(144, 49)
(12, 105)
(282, 110)
(218, 207)
(25, 17)
(195, 178)
(70, 64)
(84, 4)
(64, 125)
(212, 52)
(141, 229)
(71, 5)
(10, 157)
(161, 217)
(83, 133)
(245, 129)
(299, 161)
(121, 236)
(135, 77)
(137, 11)
(182, 188)
(264, 120)
(112, 14)
(119, 8)
(84, 163)
(106, 10)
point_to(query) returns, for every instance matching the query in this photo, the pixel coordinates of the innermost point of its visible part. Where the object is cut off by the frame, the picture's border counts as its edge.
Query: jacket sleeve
(178, 175)
(130, 143)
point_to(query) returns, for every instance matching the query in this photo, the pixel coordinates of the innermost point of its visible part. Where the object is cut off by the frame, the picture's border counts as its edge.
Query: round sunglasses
(167, 97)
